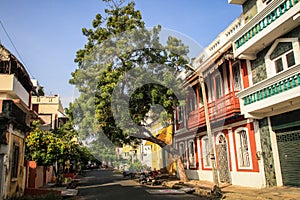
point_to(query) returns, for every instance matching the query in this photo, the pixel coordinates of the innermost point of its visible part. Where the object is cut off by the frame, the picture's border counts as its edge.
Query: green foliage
(42, 146)
(46, 147)
(118, 44)
(136, 166)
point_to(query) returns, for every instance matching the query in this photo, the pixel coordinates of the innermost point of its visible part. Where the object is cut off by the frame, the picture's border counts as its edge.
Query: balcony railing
(274, 89)
(218, 110)
(222, 39)
(272, 16)
(272, 86)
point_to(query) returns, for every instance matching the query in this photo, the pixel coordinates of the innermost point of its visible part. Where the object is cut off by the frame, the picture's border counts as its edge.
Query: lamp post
(208, 130)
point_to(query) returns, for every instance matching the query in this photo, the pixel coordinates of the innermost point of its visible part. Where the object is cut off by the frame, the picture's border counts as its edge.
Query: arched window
(243, 148)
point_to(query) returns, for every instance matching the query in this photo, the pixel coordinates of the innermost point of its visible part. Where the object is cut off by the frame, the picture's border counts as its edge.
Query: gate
(289, 155)
(223, 165)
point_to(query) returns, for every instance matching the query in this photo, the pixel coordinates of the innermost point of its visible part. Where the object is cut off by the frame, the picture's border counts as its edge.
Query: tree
(127, 78)
(42, 146)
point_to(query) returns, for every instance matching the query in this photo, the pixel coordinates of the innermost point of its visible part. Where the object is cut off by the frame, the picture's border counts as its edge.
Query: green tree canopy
(124, 67)
(124, 74)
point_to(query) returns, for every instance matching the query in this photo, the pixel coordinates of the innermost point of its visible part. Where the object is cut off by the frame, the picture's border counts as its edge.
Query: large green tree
(127, 78)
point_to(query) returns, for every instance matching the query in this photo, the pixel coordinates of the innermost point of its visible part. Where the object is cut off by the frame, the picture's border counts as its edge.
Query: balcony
(220, 109)
(272, 96)
(13, 112)
(277, 19)
(11, 88)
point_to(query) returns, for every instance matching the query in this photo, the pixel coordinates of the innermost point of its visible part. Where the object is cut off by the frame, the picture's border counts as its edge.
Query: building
(251, 77)
(50, 110)
(234, 139)
(15, 117)
(269, 42)
(146, 153)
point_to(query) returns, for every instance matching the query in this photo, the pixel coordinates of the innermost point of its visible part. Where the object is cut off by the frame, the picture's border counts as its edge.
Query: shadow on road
(106, 184)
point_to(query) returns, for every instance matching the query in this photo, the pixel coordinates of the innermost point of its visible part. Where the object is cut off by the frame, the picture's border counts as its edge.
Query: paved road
(104, 184)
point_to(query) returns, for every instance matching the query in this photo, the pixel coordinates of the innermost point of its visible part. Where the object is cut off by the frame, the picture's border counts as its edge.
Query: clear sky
(47, 34)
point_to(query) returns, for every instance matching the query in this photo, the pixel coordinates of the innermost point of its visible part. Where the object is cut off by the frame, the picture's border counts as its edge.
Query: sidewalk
(203, 188)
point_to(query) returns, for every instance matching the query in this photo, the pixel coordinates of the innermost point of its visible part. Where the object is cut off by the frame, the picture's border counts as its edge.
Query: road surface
(105, 184)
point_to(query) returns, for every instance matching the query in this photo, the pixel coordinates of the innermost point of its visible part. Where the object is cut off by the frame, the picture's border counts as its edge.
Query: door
(222, 158)
(288, 148)
(31, 179)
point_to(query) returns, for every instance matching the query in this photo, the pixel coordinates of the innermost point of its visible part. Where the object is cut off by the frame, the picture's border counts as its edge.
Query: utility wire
(20, 57)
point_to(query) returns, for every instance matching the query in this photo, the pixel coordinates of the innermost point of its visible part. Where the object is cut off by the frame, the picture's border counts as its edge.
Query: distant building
(50, 110)
(146, 153)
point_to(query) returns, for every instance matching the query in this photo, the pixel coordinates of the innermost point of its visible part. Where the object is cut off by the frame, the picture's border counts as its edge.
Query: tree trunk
(181, 171)
(169, 148)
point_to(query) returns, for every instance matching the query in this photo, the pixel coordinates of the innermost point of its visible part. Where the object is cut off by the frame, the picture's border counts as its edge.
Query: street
(105, 184)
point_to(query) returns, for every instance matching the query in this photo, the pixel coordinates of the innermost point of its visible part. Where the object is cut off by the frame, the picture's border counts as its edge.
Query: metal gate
(289, 155)
(223, 165)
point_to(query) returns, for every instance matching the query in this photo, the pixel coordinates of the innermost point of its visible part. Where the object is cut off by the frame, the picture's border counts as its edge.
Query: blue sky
(47, 34)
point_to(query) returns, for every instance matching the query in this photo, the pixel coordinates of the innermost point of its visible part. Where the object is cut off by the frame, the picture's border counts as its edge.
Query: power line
(20, 57)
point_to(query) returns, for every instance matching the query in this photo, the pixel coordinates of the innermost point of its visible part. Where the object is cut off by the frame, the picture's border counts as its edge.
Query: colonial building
(269, 42)
(15, 115)
(251, 75)
(234, 140)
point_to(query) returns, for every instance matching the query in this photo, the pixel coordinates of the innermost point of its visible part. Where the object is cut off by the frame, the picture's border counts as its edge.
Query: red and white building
(251, 72)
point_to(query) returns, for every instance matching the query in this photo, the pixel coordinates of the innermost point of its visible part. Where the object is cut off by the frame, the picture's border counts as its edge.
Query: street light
(208, 130)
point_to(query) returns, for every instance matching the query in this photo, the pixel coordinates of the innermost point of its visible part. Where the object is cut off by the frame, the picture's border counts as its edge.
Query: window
(205, 152)
(281, 56)
(180, 114)
(192, 102)
(290, 59)
(192, 160)
(200, 95)
(284, 61)
(15, 161)
(278, 65)
(236, 76)
(182, 153)
(219, 87)
(243, 148)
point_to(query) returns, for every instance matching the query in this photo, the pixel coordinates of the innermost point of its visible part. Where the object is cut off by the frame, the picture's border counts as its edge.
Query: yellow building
(161, 159)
